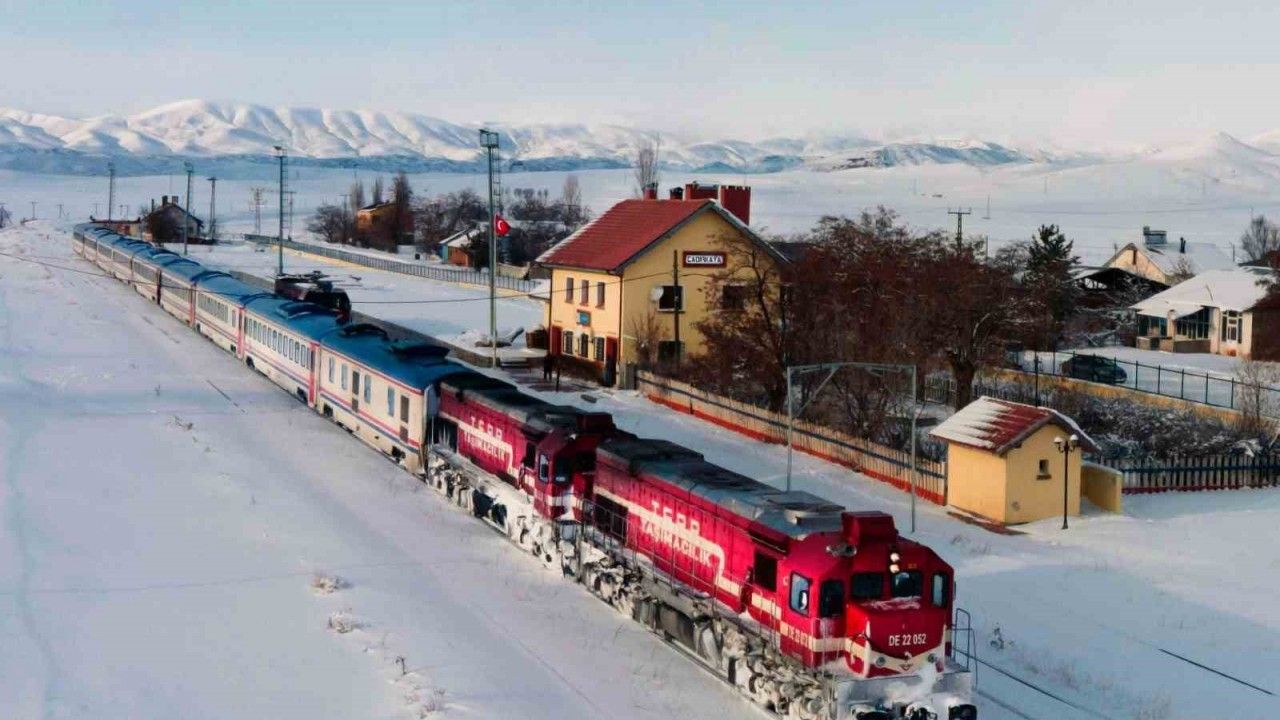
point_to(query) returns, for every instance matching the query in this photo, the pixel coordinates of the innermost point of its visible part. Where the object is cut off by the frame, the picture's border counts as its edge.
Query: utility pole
(489, 141)
(677, 300)
(213, 199)
(960, 225)
(345, 223)
(95, 211)
(186, 207)
(988, 215)
(33, 209)
(60, 211)
(111, 190)
(256, 195)
(280, 235)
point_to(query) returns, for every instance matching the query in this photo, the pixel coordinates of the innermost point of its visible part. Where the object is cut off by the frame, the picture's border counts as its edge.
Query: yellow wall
(1102, 485)
(707, 232)
(1029, 496)
(976, 481)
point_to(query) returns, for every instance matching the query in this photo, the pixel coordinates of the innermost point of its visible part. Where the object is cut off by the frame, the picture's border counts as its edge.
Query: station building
(632, 285)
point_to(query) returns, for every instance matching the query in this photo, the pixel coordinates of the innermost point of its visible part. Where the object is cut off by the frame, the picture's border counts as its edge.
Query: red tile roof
(621, 233)
(1000, 425)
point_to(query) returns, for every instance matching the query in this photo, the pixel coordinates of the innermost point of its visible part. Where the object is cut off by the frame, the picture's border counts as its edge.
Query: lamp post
(280, 155)
(1066, 447)
(186, 212)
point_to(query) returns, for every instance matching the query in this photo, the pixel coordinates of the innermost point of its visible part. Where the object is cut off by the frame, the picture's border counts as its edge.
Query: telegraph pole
(186, 207)
(677, 295)
(256, 194)
(280, 234)
(213, 199)
(489, 141)
(33, 209)
(111, 189)
(960, 225)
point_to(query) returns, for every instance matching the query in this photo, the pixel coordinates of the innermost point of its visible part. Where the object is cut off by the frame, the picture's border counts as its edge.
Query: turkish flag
(501, 226)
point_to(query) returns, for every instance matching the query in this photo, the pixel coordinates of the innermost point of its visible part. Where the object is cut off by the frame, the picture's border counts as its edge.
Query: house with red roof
(632, 285)
(1006, 462)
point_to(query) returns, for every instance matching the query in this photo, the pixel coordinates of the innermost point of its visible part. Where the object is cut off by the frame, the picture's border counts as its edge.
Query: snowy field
(164, 513)
(1204, 194)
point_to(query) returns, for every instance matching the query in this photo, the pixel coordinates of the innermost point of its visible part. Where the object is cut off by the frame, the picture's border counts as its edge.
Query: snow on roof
(462, 238)
(1235, 289)
(1000, 425)
(1199, 256)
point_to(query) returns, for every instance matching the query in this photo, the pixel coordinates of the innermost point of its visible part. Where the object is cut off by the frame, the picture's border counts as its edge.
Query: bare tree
(357, 196)
(646, 169)
(647, 332)
(376, 195)
(402, 211)
(5, 217)
(1259, 401)
(1260, 240)
(329, 222)
(1183, 270)
(571, 197)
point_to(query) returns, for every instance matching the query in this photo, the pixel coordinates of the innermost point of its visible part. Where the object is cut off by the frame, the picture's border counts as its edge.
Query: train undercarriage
(736, 649)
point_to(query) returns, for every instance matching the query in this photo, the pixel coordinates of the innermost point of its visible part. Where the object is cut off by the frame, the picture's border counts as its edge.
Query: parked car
(1095, 368)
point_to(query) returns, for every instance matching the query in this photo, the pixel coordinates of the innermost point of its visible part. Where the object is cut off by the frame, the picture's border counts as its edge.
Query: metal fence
(464, 276)
(1209, 472)
(1202, 387)
(882, 463)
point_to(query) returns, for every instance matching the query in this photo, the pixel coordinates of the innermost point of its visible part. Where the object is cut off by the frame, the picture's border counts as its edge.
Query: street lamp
(489, 141)
(1066, 447)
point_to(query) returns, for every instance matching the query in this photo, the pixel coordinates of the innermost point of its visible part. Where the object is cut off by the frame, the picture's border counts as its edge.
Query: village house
(377, 226)
(167, 220)
(132, 228)
(631, 285)
(456, 249)
(1219, 311)
(1155, 259)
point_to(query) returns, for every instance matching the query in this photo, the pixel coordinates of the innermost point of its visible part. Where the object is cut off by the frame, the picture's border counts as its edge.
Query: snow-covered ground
(163, 513)
(157, 566)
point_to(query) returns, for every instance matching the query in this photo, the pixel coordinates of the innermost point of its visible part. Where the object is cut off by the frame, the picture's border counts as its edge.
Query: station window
(586, 291)
(669, 350)
(733, 297)
(599, 343)
(568, 289)
(584, 343)
(568, 343)
(599, 294)
(765, 571)
(1043, 470)
(671, 299)
(800, 593)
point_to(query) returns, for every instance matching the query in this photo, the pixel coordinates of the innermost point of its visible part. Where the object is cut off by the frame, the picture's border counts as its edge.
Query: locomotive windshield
(866, 586)
(908, 583)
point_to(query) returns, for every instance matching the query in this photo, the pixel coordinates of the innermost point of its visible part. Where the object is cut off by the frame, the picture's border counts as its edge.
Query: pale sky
(1077, 73)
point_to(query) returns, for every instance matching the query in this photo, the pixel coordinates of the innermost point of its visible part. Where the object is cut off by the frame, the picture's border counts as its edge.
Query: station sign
(697, 258)
(584, 318)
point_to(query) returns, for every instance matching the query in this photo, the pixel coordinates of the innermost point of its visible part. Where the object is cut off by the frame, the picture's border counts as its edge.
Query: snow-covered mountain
(249, 133)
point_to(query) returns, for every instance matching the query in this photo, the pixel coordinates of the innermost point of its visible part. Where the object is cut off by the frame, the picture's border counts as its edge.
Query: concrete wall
(1103, 486)
(1119, 391)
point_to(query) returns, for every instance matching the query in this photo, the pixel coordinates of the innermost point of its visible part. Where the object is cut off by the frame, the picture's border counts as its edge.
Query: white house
(1212, 312)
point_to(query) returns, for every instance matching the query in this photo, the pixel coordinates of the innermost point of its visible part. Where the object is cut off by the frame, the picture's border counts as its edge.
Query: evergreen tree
(1050, 264)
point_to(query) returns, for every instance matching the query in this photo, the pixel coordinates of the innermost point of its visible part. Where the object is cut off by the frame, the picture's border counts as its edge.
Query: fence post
(1159, 377)
(1182, 388)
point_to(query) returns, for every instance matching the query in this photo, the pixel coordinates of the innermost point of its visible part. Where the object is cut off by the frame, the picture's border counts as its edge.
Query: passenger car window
(866, 586)
(800, 593)
(404, 408)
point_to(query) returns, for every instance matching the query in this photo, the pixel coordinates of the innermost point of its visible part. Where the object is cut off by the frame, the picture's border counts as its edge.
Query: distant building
(1155, 259)
(167, 220)
(1219, 311)
(456, 249)
(377, 226)
(132, 228)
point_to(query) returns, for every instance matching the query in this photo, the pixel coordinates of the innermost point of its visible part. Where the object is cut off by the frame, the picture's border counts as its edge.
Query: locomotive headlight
(894, 557)
(933, 657)
(894, 569)
(880, 661)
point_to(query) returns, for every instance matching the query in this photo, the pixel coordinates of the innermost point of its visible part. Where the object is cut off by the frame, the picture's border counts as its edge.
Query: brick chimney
(677, 193)
(651, 191)
(737, 200)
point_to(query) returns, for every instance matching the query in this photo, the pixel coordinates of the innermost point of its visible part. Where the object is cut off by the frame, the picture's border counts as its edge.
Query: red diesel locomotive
(813, 611)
